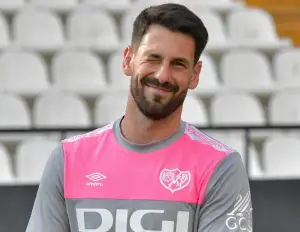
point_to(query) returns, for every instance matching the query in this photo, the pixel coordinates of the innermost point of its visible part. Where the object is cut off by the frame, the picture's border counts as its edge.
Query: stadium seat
(57, 5)
(78, 71)
(254, 28)
(281, 157)
(194, 111)
(246, 70)
(284, 108)
(38, 29)
(127, 19)
(104, 112)
(9, 6)
(143, 4)
(209, 80)
(286, 65)
(236, 109)
(23, 73)
(31, 158)
(4, 32)
(126, 26)
(222, 6)
(116, 6)
(93, 29)
(58, 109)
(6, 174)
(14, 113)
(117, 79)
(217, 42)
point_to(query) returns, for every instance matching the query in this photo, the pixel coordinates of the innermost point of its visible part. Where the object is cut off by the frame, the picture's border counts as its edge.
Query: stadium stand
(65, 56)
(61, 66)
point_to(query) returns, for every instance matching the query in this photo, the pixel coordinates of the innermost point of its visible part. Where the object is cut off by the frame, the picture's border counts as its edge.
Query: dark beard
(155, 110)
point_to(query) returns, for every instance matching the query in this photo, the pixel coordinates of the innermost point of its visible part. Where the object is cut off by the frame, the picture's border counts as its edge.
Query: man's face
(162, 70)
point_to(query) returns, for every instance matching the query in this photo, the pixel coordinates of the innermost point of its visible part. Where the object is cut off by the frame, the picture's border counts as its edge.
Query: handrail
(246, 128)
(78, 129)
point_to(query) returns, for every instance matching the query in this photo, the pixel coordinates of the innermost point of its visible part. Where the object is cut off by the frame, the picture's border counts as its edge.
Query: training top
(101, 182)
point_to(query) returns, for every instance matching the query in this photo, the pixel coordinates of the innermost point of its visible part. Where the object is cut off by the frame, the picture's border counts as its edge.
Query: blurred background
(61, 75)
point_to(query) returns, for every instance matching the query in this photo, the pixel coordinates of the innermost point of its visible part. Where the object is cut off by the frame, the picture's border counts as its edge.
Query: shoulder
(207, 150)
(87, 141)
(97, 133)
(199, 139)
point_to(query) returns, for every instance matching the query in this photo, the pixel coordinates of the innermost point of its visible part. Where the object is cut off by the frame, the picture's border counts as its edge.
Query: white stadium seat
(78, 71)
(58, 109)
(128, 18)
(11, 5)
(6, 174)
(118, 80)
(284, 108)
(209, 80)
(38, 29)
(57, 5)
(255, 28)
(116, 6)
(23, 73)
(127, 27)
(281, 157)
(236, 109)
(4, 32)
(14, 113)
(194, 111)
(246, 70)
(93, 29)
(213, 22)
(104, 112)
(31, 158)
(286, 65)
(216, 5)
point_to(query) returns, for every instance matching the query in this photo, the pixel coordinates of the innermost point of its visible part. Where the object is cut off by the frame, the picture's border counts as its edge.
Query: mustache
(155, 82)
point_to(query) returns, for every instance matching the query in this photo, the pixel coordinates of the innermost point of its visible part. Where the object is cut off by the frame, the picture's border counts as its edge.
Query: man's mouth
(159, 88)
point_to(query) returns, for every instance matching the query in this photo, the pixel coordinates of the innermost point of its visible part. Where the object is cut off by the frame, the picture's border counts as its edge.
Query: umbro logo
(95, 177)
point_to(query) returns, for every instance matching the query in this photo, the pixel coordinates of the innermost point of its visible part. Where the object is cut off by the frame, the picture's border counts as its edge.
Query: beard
(155, 109)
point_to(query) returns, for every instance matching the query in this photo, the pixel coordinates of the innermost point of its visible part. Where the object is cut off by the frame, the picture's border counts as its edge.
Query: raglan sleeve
(49, 210)
(227, 206)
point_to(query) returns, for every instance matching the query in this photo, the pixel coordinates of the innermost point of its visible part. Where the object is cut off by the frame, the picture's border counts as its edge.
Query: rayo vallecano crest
(174, 179)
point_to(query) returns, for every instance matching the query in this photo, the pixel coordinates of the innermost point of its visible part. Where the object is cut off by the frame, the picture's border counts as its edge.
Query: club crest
(174, 179)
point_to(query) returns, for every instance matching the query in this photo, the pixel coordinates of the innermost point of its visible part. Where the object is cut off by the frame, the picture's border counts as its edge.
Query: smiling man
(148, 171)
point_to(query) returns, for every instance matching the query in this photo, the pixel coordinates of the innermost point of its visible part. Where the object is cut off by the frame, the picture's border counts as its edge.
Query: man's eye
(179, 64)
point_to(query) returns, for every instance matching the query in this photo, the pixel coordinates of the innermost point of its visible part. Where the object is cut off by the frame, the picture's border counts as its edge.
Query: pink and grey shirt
(100, 182)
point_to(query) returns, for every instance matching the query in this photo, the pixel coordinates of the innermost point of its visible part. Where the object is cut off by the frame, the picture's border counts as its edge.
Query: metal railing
(245, 128)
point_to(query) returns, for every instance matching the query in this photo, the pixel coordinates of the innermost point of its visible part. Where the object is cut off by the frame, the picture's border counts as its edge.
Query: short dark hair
(175, 17)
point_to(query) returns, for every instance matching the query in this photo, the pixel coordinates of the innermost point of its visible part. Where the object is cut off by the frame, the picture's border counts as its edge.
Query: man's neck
(139, 129)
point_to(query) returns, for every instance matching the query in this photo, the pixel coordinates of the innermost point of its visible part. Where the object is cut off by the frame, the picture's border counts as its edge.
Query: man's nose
(164, 73)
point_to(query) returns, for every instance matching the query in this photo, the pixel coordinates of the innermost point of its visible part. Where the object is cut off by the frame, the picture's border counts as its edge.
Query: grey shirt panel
(227, 206)
(150, 147)
(49, 212)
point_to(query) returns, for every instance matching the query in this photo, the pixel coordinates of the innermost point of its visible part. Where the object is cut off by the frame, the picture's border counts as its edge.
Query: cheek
(183, 81)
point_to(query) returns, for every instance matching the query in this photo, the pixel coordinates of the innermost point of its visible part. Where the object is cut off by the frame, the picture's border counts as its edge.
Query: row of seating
(43, 30)
(115, 6)
(60, 109)
(31, 156)
(83, 72)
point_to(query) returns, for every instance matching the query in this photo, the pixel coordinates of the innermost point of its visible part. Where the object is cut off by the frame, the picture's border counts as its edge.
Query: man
(148, 171)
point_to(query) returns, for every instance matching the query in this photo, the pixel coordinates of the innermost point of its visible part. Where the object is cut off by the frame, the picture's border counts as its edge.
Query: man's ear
(127, 61)
(195, 78)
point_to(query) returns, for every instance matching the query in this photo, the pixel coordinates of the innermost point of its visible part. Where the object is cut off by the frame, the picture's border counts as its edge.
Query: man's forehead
(161, 41)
